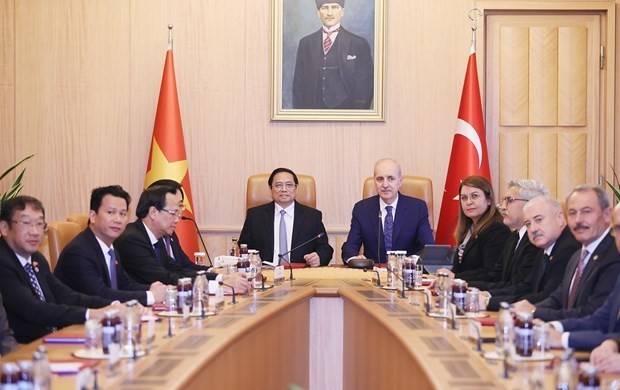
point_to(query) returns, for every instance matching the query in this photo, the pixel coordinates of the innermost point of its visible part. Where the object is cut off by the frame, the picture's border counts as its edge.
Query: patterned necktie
(388, 226)
(33, 281)
(167, 245)
(327, 43)
(578, 273)
(282, 237)
(112, 266)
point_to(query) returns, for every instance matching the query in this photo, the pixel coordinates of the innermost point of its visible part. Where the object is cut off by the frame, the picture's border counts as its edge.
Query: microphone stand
(184, 218)
(378, 276)
(282, 255)
(234, 301)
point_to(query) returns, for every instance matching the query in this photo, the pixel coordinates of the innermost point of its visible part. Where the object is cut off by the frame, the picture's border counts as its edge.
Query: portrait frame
(293, 20)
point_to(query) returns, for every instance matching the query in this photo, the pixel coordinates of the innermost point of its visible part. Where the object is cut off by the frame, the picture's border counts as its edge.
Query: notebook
(435, 257)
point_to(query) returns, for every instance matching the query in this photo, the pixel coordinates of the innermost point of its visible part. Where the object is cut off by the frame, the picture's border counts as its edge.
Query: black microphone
(281, 256)
(234, 301)
(368, 263)
(184, 218)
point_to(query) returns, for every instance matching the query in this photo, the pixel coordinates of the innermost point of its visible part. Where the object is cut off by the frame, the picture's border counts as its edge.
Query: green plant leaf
(616, 190)
(12, 167)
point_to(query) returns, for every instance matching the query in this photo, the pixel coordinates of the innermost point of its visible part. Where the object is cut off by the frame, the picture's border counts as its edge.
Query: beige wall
(79, 81)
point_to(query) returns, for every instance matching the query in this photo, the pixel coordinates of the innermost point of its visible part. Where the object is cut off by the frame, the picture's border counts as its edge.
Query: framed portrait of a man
(327, 60)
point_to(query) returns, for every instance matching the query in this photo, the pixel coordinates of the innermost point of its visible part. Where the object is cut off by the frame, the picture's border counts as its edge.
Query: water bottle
(200, 293)
(567, 374)
(41, 371)
(504, 330)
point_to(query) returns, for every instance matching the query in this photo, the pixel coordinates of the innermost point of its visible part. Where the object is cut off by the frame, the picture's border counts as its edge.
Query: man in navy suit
(284, 224)
(591, 272)
(588, 332)
(36, 302)
(408, 217)
(334, 67)
(90, 264)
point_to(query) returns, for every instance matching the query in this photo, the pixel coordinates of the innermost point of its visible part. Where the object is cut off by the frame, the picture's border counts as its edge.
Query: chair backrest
(80, 219)
(59, 234)
(417, 186)
(44, 248)
(258, 191)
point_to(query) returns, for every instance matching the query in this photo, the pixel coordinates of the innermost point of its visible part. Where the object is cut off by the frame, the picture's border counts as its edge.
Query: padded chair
(44, 248)
(80, 219)
(417, 186)
(258, 191)
(59, 234)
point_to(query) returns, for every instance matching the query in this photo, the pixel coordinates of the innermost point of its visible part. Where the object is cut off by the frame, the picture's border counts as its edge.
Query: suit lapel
(512, 253)
(24, 276)
(399, 219)
(593, 263)
(568, 276)
(268, 229)
(297, 220)
(101, 263)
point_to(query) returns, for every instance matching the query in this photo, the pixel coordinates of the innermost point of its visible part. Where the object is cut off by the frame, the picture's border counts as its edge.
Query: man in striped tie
(35, 300)
(334, 68)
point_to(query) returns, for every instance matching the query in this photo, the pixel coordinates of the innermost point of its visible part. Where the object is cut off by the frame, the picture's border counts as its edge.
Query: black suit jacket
(139, 259)
(7, 341)
(481, 252)
(597, 281)
(516, 263)
(82, 266)
(258, 233)
(543, 279)
(355, 64)
(30, 317)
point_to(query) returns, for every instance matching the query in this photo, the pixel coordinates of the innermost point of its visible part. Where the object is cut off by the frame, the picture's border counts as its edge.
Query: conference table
(329, 328)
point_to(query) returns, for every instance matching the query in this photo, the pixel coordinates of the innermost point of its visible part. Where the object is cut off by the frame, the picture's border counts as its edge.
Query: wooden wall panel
(513, 159)
(571, 162)
(7, 86)
(543, 158)
(514, 59)
(572, 82)
(543, 86)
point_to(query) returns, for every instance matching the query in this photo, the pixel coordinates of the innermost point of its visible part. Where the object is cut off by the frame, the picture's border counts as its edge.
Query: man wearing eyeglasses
(36, 302)
(148, 248)
(285, 225)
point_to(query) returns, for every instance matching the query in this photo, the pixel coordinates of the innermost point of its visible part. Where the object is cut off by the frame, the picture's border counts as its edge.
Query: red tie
(578, 272)
(327, 43)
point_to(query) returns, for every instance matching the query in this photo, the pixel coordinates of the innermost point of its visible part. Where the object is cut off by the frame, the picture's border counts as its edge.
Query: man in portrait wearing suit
(587, 332)
(547, 229)
(35, 300)
(90, 264)
(284, 224)
(591, 273)
(390, 219)
(150, 251)
(334, 67)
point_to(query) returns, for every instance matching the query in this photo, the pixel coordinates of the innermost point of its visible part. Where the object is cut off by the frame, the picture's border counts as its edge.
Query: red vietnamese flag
(167, 158)
(469, 154)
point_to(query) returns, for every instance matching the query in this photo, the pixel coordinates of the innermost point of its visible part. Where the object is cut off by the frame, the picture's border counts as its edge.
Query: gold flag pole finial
(474, 15)
(170, 37)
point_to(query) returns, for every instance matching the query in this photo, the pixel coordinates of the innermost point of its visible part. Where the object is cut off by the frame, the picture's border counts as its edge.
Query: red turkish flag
(167, 158)
(469, 154)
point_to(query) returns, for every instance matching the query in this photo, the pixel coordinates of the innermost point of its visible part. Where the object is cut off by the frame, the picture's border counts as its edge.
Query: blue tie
(112, 265)
(388, 226)
(33, 281)
(282, 236)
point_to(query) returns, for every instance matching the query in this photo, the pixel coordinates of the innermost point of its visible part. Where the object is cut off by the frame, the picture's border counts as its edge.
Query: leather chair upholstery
(80, 219)
(258, 191)
(59, 234)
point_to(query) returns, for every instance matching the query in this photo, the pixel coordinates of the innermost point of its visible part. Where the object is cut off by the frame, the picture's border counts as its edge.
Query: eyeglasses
(474, 196)
(510, 199)
(28, 225)
(175, 213)
(289, 185)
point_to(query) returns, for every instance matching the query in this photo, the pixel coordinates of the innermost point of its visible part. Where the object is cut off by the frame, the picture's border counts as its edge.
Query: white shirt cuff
(219, 278)
(564, 339)
(150, 298)
(557, 325)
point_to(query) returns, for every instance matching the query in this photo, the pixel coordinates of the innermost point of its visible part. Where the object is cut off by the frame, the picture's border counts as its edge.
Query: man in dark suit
(150, 251)
(395, 221)
(518, 255)
(35, 300)
(7, 340)
(334, 67)
(547, 230)
(90, 264)
(591, 272)
(587, 332)
(282, 225)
